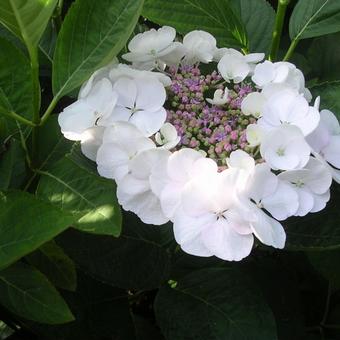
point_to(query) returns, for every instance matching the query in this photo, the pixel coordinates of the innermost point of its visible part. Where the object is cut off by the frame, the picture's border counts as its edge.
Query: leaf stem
(291, 49)
(279, 20)
(49, 110)
(17, 117)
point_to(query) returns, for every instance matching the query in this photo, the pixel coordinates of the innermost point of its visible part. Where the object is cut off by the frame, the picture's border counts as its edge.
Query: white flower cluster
(120, 118)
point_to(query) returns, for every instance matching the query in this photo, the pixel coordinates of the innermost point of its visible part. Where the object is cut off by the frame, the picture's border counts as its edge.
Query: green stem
(49, 110)
(279, 20)
(291, 49)
(17, 117)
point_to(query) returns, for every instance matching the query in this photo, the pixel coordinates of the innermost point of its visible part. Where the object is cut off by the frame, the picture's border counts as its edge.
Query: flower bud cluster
(217, 130)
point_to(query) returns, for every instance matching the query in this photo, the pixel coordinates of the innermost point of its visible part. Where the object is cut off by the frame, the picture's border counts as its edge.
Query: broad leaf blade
(258, 17)
(214, 303)
(27, 19)
(90, 198)
(318, 231)
(101, 313)
(51, 260)
(26, 223)
(135, 260)
(215, 17)
(52, 144)
(93, 33)
(313, 18)
(16, 86)
(12, 166)
(26, 292)
(329, 93)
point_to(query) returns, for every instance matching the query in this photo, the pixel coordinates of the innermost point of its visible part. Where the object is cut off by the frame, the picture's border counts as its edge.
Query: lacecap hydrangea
(224, 145)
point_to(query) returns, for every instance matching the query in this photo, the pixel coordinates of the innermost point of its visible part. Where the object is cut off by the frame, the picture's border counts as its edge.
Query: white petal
(264, 73)
(146, 206)
(225, 243)
(92, 139)
(319, 178)
(330, 121)
(127, 92)
(75, 119)
(255, 134)
(306, 201)
(187, 228)
(268, 230)
(262, 184)
(150, 94)
(332, 151)
(253, 104)
(102, 98)
(180, 164)
(283, 203)
(149, 122)
(320, 201)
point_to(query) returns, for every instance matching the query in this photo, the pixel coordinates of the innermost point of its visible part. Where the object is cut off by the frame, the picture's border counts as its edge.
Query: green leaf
(313, 18)
(258, 17)
(318, 231)
(26, 292)
(329, 93)
(101, 313)
(327, 263)
(51, 260)
(324, 57)
(52, 144)
(48, 41)
(16, 87)
(26, 223)
(214, 16)
(277, 279)
(93, 33)
(12, 166)
(90, 198)
(135, 260)
(215, 304)
(27, 19)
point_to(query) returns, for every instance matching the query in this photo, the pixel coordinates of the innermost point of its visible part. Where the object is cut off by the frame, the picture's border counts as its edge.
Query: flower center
(216, 129)
(280, 152)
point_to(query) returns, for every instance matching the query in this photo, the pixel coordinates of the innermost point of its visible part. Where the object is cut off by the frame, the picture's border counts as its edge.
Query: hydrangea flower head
(225, 151)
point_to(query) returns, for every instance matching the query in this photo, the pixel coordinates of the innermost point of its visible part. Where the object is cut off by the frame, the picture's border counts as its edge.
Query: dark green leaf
(90, 198)
(93, 33)
(26, 223)
(51, 143)
(258, 17)
(27, 18)
(214, 16)
(135, 260)
(327, 263)
(318, 231)
(313, 18)
(215, 304)
(329, 93)
(48, 41)
(51, 260)
(16, 87)
(324, 57)
(26, 292)
(101, 313)
(12, 166)
(279, 283)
